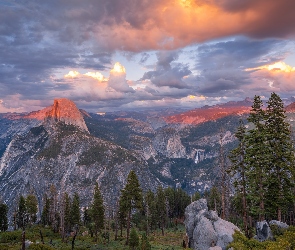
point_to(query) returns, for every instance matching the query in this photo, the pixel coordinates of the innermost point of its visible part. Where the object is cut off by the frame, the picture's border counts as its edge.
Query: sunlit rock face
(211, 113)
(63, 110)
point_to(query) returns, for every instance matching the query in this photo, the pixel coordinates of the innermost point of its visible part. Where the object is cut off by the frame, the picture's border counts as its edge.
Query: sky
(110, 55)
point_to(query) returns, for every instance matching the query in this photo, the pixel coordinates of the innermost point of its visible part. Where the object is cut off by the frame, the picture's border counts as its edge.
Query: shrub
(8, 237)
(39, 247)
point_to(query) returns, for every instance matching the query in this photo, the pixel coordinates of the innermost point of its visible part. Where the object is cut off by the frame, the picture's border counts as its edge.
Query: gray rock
(204, 235)
(263, 231)
(211, 215)
(28, 243)
(280, 224)
(215, 248)
(224, 230)
(192, 212)
(205, 229)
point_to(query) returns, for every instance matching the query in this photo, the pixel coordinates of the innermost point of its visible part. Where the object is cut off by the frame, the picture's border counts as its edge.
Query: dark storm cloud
(167, 72)
(223, 65)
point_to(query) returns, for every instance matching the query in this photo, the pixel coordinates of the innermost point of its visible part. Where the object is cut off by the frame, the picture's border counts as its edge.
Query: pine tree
(196, 196)
(32, 208)
(144, 243)
(21, 213)
(150, 210)
(3, 217)
(214, 199)
(161, 208)
(131, 198)
(45, 212)
(134, 239)
(54, 217)
(75, 211)
(97, 211)
(67, 212)
(281, 167)
(238, 171)
(257, 159)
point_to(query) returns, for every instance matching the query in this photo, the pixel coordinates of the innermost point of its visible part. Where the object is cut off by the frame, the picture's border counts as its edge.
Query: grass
(172, 240)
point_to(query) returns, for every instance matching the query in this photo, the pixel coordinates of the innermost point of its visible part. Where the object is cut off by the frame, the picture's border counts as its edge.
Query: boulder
(225, 231)
(279, 224)
(191, 216)
(28, 243)
(205, 229)
(204, 234)
(263, 231)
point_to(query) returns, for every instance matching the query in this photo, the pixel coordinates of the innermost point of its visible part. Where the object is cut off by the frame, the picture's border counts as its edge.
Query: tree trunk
(41, 235)
(24, 240)
(128, 226)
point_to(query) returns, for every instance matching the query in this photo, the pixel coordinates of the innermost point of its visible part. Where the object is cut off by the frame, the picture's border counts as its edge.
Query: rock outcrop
(66, 111)
(205, 229)
(263, 230)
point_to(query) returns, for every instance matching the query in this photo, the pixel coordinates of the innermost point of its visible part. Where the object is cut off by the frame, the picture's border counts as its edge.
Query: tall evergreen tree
(144, 243)
(161, 208)
(214, 199)
(3, 217)
(257, 158)
(238, 170)
(281, 166)
(97, 211)
(21, 213)
(67, 212)
(75, 211)
(45, 212)
(150, 206)
(134, 239)
(131, 198)
(32, 208)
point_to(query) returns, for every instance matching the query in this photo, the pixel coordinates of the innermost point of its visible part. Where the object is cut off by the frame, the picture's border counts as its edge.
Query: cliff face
(66, 111)
(70, 159)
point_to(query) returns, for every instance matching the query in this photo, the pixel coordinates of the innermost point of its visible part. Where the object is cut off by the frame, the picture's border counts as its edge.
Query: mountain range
(73, 149)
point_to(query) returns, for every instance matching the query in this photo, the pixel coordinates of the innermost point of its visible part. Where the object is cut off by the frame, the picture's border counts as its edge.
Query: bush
(8, 237)
(39, 247)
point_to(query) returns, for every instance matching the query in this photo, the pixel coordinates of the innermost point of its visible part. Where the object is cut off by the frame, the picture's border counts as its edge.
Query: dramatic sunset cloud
(169, 52)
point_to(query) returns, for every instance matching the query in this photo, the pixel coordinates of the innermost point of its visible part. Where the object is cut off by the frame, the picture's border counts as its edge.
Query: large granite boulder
(263, 231)
(205, 230)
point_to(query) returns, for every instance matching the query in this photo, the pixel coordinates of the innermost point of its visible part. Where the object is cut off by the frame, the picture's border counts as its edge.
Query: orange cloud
(170, 24)
(278, 77)
(278, 66)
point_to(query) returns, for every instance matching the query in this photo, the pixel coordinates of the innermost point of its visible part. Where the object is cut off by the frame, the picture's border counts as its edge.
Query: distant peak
(66, 111)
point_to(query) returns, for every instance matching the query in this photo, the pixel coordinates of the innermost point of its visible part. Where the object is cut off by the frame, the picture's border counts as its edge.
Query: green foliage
(45, 211)
(75, 210)
(40, 247)
(97, 210)
(285, 241)
(144, 243)
(214, 199)
(3, 217)
(134, 239)
(32, 208)
(8, 237)
(196, 196)
(263, 162)
(21, 213)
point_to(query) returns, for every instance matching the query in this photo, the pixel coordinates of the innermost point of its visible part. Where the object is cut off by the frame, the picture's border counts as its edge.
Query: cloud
(167, 72)
(144, 25)
(222, 66)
